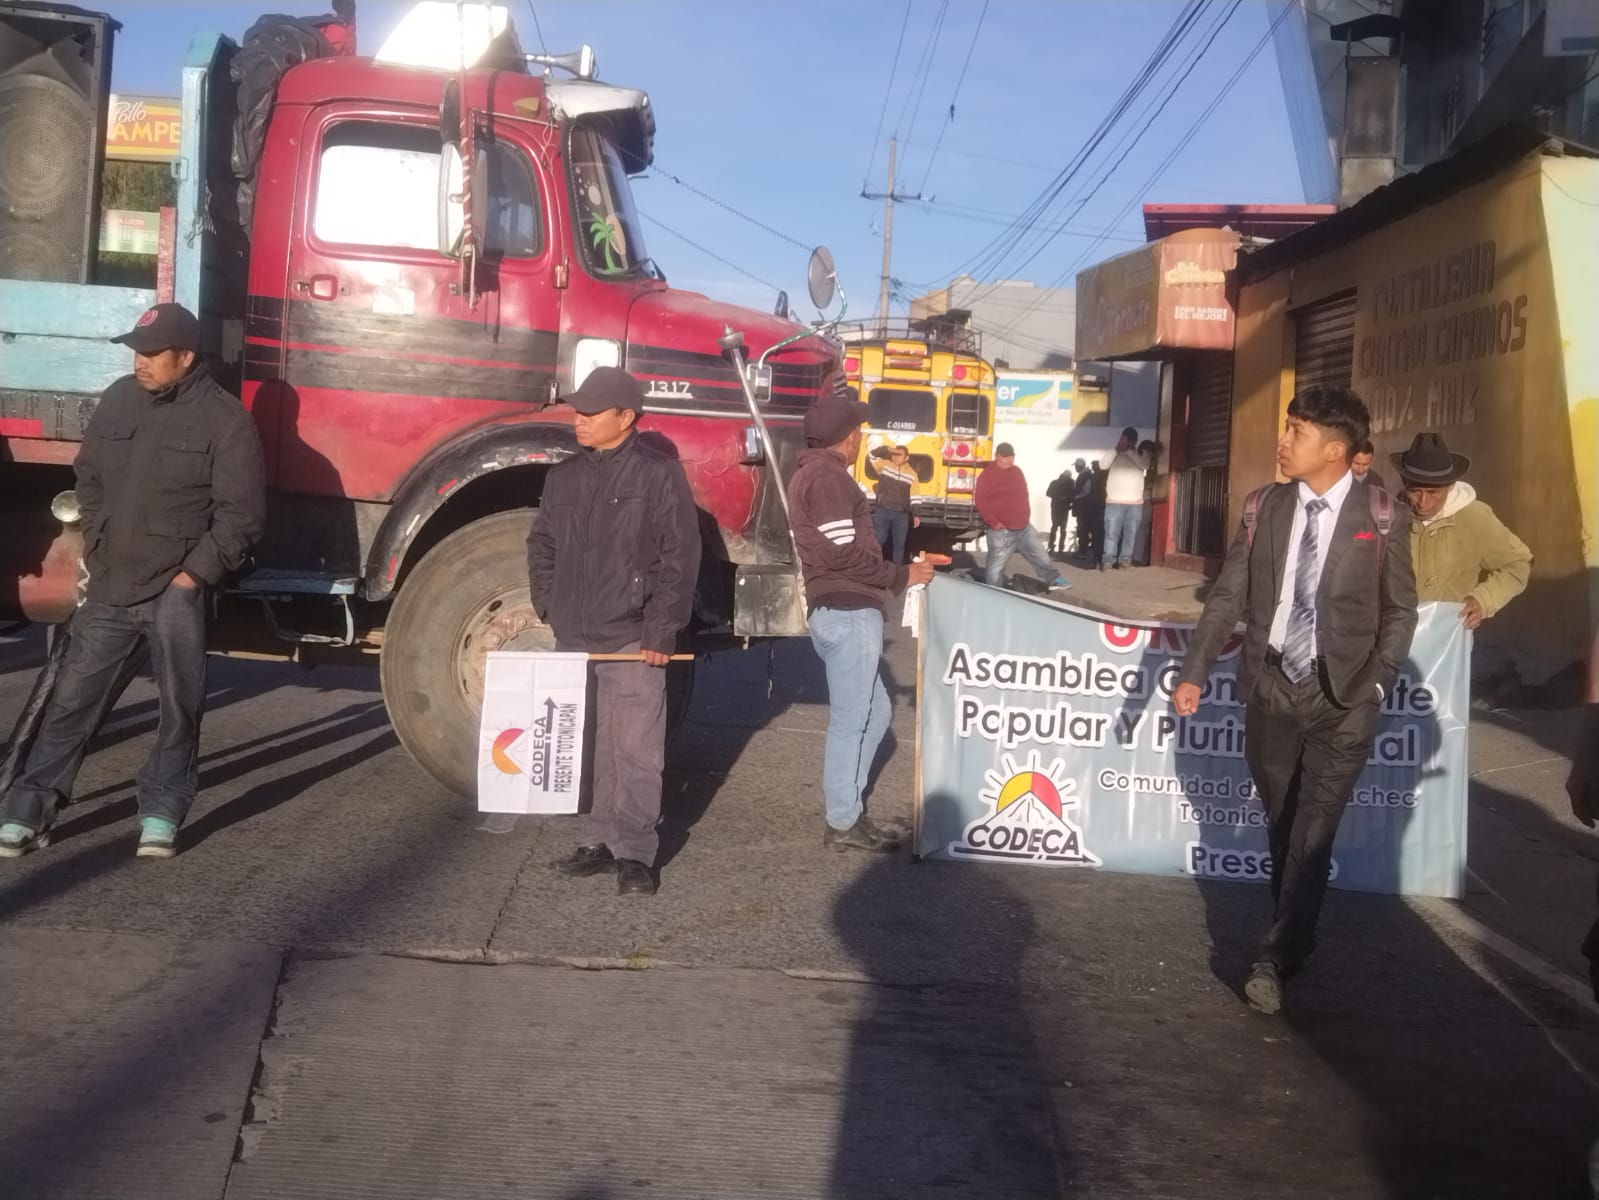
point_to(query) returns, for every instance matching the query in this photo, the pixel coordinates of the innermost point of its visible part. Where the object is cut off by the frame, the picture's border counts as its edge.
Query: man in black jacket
(847, 583)
(173, 495)
(612, 560)
(1328, 601)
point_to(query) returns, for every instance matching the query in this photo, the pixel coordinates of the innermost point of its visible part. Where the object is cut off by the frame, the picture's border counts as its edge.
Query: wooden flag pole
(916, 763)
(634, 656)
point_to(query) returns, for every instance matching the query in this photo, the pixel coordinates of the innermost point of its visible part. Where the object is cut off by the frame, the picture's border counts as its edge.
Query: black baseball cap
(1004, 450)
(164, 327)
(832, 418)
(607, 387)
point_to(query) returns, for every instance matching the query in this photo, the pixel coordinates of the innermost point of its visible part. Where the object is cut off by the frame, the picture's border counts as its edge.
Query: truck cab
(433, 259)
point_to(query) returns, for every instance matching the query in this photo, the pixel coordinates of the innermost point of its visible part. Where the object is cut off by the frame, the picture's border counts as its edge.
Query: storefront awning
(1168, 295)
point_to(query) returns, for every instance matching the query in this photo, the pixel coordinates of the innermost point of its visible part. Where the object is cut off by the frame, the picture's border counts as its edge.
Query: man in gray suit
(1320, 573)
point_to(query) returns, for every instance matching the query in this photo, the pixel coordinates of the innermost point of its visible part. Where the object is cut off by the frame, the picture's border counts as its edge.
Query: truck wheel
(467, 596)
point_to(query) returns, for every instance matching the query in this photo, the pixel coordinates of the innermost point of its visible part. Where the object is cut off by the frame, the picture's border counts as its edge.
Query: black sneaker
(864, 835)
(587, 860)
(633, 878)
(1264, 988)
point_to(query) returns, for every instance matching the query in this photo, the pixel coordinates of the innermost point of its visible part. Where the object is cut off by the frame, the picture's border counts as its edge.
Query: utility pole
(888, 198)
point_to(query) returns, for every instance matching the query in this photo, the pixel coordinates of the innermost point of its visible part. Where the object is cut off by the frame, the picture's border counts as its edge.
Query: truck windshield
(607, 222)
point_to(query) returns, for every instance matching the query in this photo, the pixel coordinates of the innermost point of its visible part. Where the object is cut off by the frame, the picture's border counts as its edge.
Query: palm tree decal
(605, 233)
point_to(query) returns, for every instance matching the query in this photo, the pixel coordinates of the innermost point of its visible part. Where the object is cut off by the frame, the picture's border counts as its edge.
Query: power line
(543, 49)
(927, 68)
(995, 250)
(709, 253)
(981, 216)
(1165, 100)
(887, 92)
(726, 207)
(943, 128)
(1182, 143)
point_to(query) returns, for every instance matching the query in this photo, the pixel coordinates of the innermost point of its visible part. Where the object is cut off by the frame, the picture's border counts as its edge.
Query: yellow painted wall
(1571, 215)
(1457, 330)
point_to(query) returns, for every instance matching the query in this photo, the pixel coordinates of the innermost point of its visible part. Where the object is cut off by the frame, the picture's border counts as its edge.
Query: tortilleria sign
(143, 128)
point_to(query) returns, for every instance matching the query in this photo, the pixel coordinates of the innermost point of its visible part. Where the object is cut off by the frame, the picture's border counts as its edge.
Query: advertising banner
(129, 232)
(143, 128)
(1047, 738)
(530, 756)
(1033, 399)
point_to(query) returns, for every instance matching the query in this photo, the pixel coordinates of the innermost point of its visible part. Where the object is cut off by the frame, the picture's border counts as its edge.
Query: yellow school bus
(928, 389)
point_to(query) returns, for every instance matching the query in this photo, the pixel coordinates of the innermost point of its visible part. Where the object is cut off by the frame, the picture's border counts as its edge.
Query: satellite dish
(820, 277)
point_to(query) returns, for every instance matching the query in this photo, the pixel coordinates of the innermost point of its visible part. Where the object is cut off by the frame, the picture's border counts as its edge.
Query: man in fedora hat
(1462, 552)
(173, 492)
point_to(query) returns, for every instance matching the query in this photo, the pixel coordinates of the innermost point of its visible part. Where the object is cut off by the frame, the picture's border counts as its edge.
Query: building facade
(1376, 89)
(1460, 299)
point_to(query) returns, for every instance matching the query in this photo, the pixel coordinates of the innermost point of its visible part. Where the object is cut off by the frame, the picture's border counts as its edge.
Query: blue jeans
(1002, 543)
(890, 525)
(850, 642)
(1121, 531)
(105, 640)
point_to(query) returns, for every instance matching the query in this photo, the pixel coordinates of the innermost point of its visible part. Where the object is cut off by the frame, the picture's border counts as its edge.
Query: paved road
(351, 984)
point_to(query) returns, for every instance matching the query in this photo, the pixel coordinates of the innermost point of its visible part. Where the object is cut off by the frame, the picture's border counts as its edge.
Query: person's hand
(918, 572)
(1185, 700)
(655, 658)
(184, 580)
(916, 522)
(1583, 783)
(1471, 614)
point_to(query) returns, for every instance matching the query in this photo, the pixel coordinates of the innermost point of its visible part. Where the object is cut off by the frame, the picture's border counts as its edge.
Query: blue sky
(771, 108)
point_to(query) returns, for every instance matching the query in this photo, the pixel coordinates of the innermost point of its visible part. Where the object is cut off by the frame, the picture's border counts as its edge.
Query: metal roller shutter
(1210, 406)
(1324, 343)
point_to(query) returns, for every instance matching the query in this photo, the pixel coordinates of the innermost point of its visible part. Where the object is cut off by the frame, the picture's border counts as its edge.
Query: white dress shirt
(1325, 521)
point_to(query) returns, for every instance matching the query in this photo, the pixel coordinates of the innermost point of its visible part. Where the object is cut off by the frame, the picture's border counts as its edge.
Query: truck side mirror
(452, 197)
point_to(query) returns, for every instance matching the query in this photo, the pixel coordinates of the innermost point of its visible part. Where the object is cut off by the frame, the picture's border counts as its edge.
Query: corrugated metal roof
(1406, 195)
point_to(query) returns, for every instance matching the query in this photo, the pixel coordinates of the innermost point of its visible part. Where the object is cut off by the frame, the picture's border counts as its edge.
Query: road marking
(1534, 964)
(1540, 968)
(1537, 762)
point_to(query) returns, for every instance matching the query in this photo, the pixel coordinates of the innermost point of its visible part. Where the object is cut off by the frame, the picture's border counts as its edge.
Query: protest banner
(530, 757)
(1046, 737)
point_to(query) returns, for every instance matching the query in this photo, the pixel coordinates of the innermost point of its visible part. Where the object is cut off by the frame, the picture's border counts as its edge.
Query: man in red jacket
(1002, 502)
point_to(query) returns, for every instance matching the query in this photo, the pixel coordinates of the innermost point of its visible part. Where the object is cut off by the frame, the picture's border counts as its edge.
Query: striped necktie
(1299, 646)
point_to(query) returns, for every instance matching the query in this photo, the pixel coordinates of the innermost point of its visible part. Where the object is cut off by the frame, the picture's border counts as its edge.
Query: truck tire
(467, 596)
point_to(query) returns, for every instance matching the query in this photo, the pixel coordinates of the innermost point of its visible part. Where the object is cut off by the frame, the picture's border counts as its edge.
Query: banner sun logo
(1027, 821)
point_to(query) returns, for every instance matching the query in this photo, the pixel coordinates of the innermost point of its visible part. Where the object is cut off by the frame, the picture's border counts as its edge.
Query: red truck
(406, 381)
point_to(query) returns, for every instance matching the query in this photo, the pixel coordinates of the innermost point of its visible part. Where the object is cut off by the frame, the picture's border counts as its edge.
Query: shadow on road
(1425, 1033)
(945, 1093)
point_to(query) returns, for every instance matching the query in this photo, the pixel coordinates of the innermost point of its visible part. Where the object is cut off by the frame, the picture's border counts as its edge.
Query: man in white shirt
(1320, 574)
(1124, 501)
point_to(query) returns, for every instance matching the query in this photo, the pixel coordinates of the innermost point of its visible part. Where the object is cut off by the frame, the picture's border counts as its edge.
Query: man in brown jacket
(1462, 553)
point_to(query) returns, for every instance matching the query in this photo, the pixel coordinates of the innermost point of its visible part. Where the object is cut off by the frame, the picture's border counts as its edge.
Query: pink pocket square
(1365, 535)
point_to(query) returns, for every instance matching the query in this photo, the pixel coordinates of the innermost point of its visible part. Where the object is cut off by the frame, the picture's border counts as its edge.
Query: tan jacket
(1467, 551)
